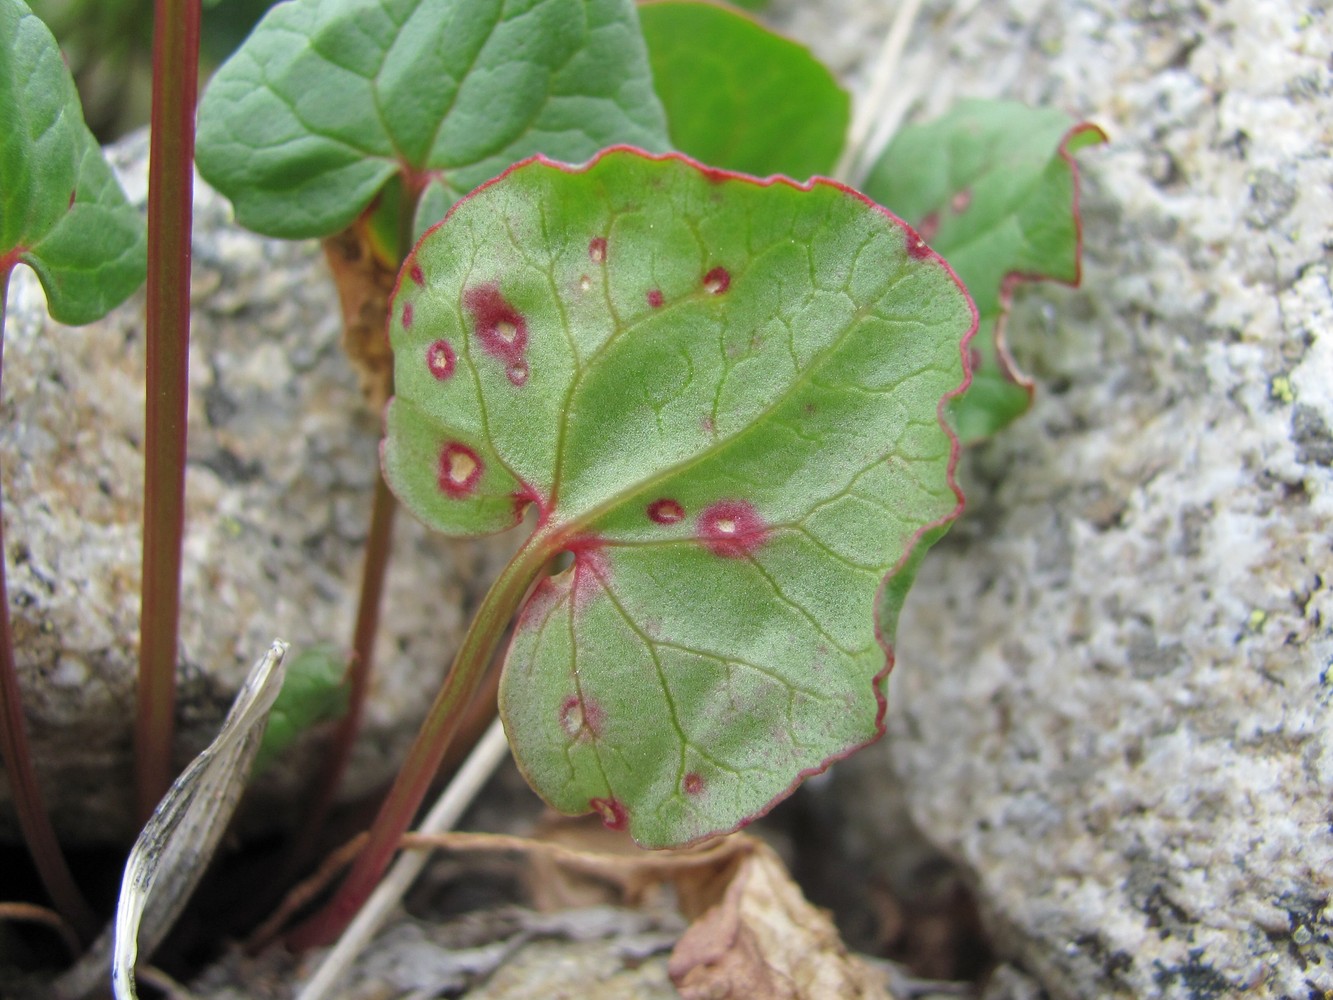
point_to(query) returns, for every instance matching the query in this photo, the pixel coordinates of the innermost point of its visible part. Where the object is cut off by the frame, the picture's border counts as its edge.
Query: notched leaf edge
(1079, 136)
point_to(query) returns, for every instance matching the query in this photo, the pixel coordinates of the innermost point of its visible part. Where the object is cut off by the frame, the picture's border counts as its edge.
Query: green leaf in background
(993, 187)
(312, 692)
(740, 97)
(724, 398)
(328, 99)
(61, 211)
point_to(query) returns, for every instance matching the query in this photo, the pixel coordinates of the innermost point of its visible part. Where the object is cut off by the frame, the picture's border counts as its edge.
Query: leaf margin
(893, 586)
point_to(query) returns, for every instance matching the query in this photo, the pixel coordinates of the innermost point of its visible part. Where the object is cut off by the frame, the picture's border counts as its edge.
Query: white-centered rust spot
(461, 467)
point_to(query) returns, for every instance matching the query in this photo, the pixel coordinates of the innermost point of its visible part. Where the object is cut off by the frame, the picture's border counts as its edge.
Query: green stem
(170, 194)
(33, 818)
(423, 760)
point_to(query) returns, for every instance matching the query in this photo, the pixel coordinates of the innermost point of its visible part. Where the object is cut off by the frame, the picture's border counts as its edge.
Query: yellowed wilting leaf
(763, 941)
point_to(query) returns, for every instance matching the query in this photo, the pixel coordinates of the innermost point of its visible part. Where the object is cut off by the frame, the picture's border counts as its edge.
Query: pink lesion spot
(441, 360)
(928, 227)
(72, 193)
(975, 359)
(612, 811)
(581, 718)
(717, 281)
(501, 328)
(416, 274)
(960, 201)
(407, 315)
(693, 783)
(460, 470)
(665, 511)
(597, 250)
(655, 298)
(732, 529)
(591, 569)
(917, 248)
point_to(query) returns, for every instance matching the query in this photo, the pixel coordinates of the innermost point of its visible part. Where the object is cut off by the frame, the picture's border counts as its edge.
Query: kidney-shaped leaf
(739, 96)
(328, 99)
(724, 398)
(61, 211)
(992, 186)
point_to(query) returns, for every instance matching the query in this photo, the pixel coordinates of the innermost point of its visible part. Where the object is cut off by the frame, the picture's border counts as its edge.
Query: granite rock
(1113, 703)
(282, 458)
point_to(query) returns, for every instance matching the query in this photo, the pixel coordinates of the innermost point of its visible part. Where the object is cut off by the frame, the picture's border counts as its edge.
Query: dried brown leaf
(763, 941)
(364, 284)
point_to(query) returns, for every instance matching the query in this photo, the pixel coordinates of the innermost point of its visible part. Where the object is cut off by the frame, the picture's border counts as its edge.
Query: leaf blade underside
(994, 188)
(329, 99)
(723, 396)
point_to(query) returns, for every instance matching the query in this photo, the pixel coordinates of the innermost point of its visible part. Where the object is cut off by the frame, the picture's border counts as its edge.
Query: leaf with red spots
(994, 188)
(745, 472)
(741, 97)
(61, 211)
(330, 99)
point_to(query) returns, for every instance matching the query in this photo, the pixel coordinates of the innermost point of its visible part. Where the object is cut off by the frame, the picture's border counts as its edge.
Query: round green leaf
(741, 97)
(328, 99)
(724, 398)
(992, 186)
(61, 211)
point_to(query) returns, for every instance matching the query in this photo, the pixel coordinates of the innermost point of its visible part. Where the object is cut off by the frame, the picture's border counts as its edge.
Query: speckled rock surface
(1114, 694)
(281, 461)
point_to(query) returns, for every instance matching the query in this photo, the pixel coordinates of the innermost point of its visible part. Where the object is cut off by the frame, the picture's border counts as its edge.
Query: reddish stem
(33, 818)
(423, 759)
(373, 572)
(170, 194)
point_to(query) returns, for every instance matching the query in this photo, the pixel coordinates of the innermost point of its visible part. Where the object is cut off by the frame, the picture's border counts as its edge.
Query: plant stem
(448, 810)
(33, 818)
(423, 760)
(170, 194)
(373, 572)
